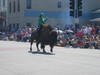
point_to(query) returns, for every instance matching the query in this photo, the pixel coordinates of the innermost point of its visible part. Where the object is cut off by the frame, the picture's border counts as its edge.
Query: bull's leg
(51, 48)
(37, 46)
(31, 42)
(43, 47)
(44, 50)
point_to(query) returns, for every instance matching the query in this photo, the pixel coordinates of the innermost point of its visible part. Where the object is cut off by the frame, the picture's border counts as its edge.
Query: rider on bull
(41, 22)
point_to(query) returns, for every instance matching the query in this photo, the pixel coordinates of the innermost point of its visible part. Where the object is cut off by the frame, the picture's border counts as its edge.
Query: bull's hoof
(44, 51)
(38, 50)
(51, 50)
(30, 49)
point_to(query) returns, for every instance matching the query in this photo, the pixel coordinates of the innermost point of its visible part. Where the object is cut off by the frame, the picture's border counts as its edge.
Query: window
(17, 25)
(59, 4)
(0, 2)
(3, 3)
(10, 7)
(4, 14)
(28, 4)
(13, 25)
(1, 14)
(18, 6)
(28, 24)
(10, 27)
(14, 6)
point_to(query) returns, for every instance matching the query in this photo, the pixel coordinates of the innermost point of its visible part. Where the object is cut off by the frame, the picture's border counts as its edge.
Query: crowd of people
(21, 34)
(85, 37)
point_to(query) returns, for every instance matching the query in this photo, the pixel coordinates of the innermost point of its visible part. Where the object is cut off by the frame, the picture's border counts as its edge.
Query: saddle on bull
(46, 37)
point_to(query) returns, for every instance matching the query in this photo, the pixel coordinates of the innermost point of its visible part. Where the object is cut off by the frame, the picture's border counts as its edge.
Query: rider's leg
(39, 30)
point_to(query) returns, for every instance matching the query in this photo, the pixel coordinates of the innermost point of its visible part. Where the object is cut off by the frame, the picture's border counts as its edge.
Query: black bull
(47, 37)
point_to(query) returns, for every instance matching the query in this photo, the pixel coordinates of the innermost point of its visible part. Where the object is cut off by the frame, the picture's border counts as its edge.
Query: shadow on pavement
(37, 52)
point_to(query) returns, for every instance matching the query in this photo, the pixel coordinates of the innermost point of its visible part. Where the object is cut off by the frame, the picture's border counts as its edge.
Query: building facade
(3, 14)
(26, 12)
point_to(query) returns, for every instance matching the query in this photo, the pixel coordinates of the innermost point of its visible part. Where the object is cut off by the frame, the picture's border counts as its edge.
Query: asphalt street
(15, 59)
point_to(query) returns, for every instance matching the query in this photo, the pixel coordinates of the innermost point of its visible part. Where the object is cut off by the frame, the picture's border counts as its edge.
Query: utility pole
(76, 18)
(76, 11)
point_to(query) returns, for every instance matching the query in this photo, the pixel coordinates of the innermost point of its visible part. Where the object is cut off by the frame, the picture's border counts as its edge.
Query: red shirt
(93, 31)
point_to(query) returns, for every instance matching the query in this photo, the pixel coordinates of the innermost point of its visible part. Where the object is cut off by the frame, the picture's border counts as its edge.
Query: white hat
(41, 14)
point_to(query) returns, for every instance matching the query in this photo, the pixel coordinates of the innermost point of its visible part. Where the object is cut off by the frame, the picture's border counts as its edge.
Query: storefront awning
(96, 11)
(95, 20)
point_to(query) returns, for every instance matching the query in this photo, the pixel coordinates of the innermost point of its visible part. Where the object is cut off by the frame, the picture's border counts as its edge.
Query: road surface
(15, 59)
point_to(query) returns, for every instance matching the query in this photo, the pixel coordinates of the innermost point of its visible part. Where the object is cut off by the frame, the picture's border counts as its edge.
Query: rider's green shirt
(41, 21)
